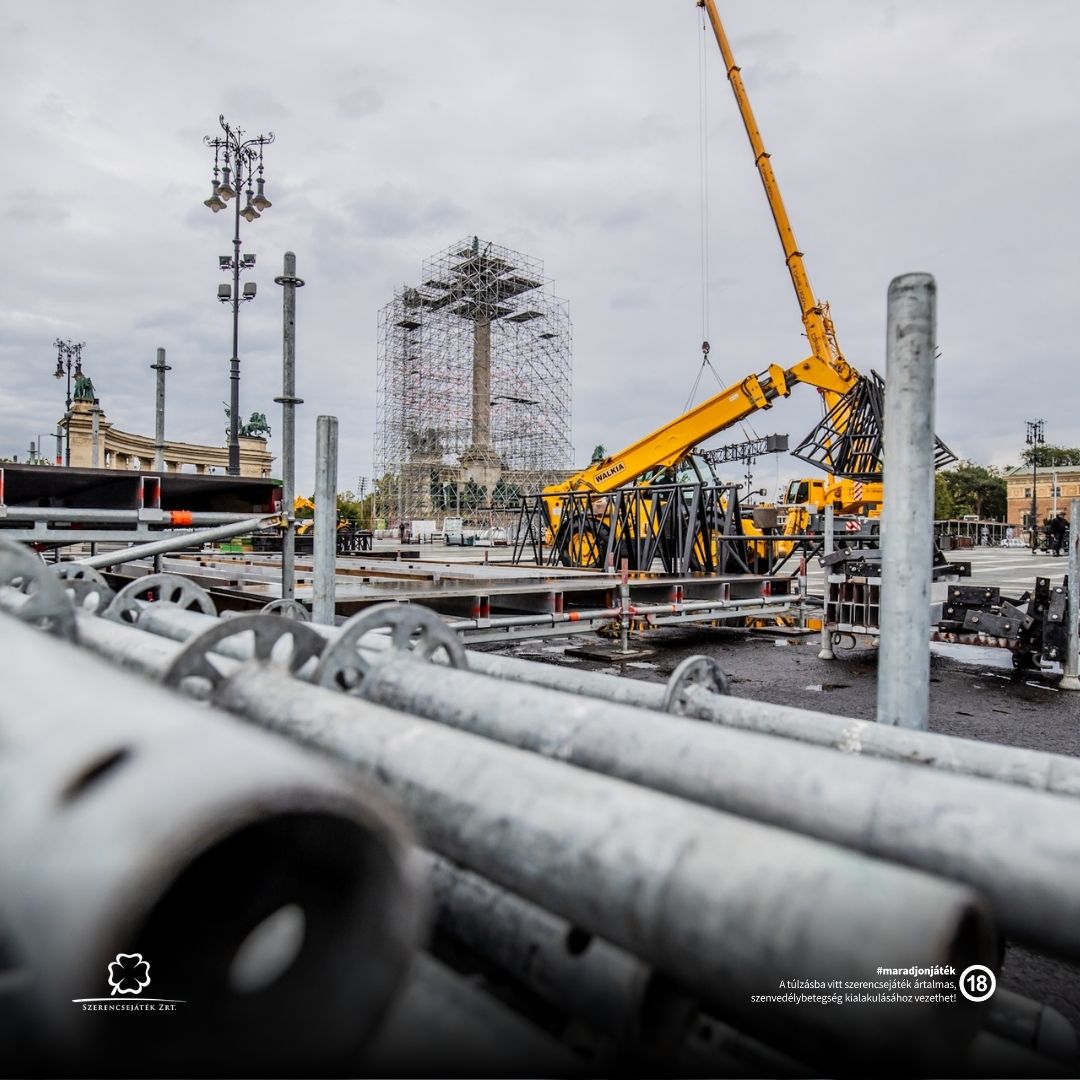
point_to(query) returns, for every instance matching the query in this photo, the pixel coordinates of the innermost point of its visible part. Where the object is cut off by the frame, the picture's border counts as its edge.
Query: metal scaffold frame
(473, 406)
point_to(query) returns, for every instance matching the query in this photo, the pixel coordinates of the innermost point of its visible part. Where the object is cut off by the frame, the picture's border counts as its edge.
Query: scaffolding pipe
(1056, 773)
(175, 543)
(612, 992)
(961, 828)
(907, 519)
(443, 1024)
(678, 884)
(129, 828)
(323, 606)
(159, 410)
(1031, 1024)
(288, 400)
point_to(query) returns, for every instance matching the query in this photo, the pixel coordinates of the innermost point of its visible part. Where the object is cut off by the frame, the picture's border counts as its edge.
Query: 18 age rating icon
(977, 983)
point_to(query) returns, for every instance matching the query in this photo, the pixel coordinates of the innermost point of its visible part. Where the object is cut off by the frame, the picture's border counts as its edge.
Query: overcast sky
(919, 135)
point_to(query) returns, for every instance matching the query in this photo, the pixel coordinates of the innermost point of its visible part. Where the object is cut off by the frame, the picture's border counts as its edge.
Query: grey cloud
(361, 102)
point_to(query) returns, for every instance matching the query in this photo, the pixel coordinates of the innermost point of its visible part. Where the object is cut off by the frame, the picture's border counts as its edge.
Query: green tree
(351, 509)
(944, 503)
(1047, 455)
(976, 489)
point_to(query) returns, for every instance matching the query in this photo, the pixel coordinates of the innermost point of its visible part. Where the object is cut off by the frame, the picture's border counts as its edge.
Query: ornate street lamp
(68, 356)
(239, 163)
(1034, 440)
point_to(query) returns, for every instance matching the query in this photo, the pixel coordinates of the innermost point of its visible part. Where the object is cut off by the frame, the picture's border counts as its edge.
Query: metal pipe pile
(622, 876)
(150, 844)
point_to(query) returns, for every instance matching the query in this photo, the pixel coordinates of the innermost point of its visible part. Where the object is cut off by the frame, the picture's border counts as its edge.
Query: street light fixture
(1035, 439)
(241, 160)
(68, 356)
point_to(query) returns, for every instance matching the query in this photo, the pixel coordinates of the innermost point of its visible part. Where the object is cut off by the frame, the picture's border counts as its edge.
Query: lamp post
(243, 156)
(68, 356)
(1035, 439)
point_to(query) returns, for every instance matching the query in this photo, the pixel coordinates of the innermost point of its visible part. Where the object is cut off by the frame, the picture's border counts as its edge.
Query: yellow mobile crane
(667, 453)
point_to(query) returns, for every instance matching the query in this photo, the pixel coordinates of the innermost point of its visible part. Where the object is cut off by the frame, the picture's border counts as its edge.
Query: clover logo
(129, 973)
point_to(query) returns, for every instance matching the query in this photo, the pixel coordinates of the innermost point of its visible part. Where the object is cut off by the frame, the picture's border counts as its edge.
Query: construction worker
(1058, 530)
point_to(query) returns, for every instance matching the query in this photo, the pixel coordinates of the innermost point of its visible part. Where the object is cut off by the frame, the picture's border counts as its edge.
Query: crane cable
(703, 180)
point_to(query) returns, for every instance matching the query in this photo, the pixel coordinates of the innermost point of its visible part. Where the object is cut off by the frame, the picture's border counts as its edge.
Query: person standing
(1058, 529)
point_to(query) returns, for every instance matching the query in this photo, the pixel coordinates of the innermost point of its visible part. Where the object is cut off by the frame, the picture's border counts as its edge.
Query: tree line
(968, 488)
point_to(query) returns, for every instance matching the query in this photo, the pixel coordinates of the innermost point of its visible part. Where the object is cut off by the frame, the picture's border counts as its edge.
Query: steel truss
(473, 385)
(849, 440)
(688, 527)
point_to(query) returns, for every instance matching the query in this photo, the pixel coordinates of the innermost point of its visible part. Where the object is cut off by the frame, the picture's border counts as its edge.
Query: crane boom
(825, 368)
(822, 340)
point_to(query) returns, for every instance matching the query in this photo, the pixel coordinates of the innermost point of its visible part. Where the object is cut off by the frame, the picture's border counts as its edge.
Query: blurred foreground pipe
(984, 839)
(445, 1025)
(581, 975)
(246, 874)
(992, 1057)
(1031, 1024)
(675, 883)
(964, 829)
(717, 1049)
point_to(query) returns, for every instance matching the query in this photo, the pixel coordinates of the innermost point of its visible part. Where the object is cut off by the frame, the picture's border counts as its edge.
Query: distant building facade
(111, 448)
(1055, 488)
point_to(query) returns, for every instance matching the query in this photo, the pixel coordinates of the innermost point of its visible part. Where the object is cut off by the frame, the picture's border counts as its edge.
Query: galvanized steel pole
(1056, 773)
(611, 991)
(290, 283)
(965, 829)
(173, 543)
(443, 1023)
(907, 540)
(1035, 769)
(325, 536)
(678, 884)
(159, 410)
(1069, 680)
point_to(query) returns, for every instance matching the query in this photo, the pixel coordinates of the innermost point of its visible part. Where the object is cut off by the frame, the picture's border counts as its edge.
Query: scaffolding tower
(473, 405)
